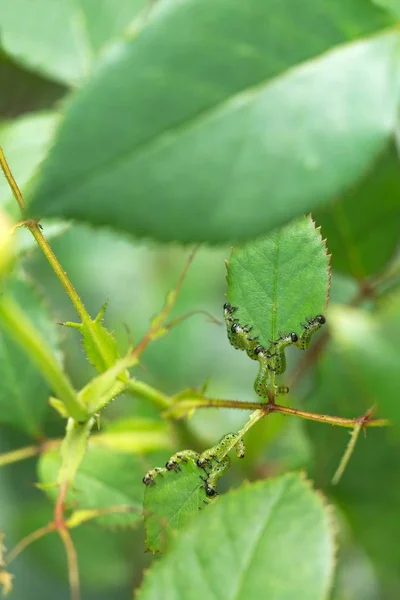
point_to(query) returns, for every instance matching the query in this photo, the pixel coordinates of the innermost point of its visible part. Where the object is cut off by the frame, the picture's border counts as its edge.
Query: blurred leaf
(62, 39)
(25, 142)
(243, 548)
(171, 502)
(23, 391)
(362, 241)
(369, 345)
(136, 435)
(104, 479)
(279, 280)
(104, 558)
(232, 153)
(369, 491)
(23, 91)
(392, 6)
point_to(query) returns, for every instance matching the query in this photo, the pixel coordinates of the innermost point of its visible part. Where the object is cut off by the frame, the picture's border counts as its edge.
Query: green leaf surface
(171, 502)
(271, 539)
(240, 145)
(104, 479)
(369, 490)
(369, 345)
(62, 39)
(25, 142)
(23, 391)
(392, 6)
(362, 226)
(279, 280)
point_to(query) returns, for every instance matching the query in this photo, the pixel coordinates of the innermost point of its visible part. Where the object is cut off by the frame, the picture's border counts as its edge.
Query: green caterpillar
(271, 361)
(279, 346)
(212, 454)
(149, 478)
(312, 325)
(237, 334)
(212, 478)
(183, 456)
(171, 465)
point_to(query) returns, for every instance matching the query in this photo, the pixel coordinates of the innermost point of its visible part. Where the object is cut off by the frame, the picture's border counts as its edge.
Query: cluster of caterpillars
(213, 461)
(271, 359)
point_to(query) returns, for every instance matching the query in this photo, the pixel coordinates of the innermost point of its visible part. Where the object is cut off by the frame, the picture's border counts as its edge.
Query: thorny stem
(270, 407)
(347, 455)
(36, 232)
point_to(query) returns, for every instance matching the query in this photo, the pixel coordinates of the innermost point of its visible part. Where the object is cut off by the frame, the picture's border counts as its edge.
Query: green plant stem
(134, 386)
(36, 232)
(7, 458)
(331, 420)
(72, 562)
(29, 539)
(24, 333)
(347, 455)
(255, 416)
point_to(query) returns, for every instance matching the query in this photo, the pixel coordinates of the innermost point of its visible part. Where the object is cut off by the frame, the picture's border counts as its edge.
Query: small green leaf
(256, 127)
(271, 539)
(170, 503)
(279, 280)
(100, 345)
(23, 391)
(104, 479)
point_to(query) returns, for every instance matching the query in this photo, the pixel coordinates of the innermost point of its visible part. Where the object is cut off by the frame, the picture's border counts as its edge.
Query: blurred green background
(135, 277)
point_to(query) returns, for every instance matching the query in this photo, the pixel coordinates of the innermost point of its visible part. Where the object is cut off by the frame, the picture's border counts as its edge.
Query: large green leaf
(23, 391)
(270, 539)
(363, 240)
(190, 137)
(25, 142)
(170, 503)
(105, 479)
(61, 39)
(278, 281)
